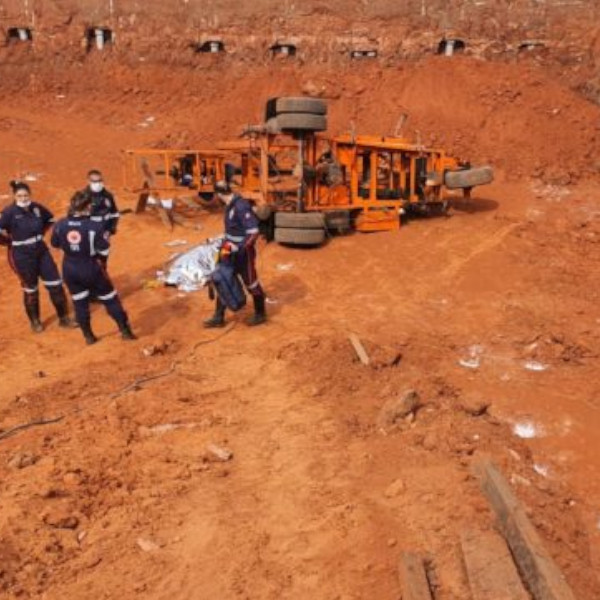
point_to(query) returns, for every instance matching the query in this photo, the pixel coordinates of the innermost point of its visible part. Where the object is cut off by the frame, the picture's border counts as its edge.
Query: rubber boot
(32, 308)
(260, 316)
(218, 319)
(67, 323)
(59, 299)
(88, 334)
(126, 333)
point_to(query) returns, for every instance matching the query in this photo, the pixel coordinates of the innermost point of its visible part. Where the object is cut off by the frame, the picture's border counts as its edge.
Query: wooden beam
(413, 578)
(491, 571)
(541, 574)
(359, 349)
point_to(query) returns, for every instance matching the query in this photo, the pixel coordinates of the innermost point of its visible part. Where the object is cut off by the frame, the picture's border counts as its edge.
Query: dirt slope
(318, 500)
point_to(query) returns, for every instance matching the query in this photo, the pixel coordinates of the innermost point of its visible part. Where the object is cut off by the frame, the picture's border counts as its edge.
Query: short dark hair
(79, 201)
(94, 172)
(19, 185)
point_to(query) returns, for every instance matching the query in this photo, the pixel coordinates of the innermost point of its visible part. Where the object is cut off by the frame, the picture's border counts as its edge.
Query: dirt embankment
(121, 498)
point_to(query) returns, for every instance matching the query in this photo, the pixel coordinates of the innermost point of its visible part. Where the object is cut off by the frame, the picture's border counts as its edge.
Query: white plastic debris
(192, 270)
(473, 359)
(541, 470)
(534, 365)
(526, 430)
(271, 301)
(174, 243)
(284, 266)
(470, 363)
(167, 203)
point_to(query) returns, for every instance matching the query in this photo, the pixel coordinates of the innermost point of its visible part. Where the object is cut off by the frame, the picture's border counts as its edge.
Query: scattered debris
(541, 469)
(398, 408)
(271, 301)
(174, 243)
(284, 266)
(473, 359)
(359, 349)
(22, 460)
(538, 569)
(157, 348)
(526, 430)
(533, 365)
(147, 545)
(164, 428)
(218, 453)
(476, 407)
(60, 520)
(394, 489)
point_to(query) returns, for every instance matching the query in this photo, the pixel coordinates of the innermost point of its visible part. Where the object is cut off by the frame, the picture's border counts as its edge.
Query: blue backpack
(228, 286)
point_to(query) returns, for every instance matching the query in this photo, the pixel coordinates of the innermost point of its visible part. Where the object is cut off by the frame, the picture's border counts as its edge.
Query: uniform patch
(37, 212)
(73, 237)
(106, 235)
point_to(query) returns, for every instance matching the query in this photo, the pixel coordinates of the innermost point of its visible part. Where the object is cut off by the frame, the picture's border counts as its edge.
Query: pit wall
(566, 32)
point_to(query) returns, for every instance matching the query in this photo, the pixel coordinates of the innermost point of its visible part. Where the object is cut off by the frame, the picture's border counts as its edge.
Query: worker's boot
(218, 319)
(88, 334)
(260, 316)
(32, 308)
(59, 299)
(126, 333)
(67, 323)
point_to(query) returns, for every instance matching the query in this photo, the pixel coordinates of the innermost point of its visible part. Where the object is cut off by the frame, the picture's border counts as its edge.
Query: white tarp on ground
(191, 270)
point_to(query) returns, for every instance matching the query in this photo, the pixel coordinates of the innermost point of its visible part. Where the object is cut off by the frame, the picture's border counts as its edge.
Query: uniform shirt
(80, 238)
(26, 226)
(241, 222)
(104, 209)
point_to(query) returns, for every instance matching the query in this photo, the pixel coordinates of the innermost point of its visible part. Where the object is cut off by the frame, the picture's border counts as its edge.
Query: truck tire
(338, 221)
(309, 220)
(313, 106)
(299, 237)
(297, 104)
(299, 122)
(468, 178)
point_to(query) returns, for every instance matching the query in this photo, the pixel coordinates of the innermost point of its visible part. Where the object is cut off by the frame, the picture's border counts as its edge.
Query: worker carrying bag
(228, 287)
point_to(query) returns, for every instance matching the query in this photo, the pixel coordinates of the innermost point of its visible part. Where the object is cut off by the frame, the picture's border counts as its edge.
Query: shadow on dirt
(474, 205)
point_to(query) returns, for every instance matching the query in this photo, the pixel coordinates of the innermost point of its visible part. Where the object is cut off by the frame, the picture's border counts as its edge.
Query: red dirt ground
(318, 501)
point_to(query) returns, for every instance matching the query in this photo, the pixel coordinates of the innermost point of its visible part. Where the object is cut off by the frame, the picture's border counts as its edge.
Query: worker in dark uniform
(104, 208)
(241, 233)
(83, 242)
(23, 225)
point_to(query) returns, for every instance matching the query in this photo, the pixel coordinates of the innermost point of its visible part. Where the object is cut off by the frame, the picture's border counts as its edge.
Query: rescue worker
(104, 208)
(83, 242)
(241, 233)
(23, 225)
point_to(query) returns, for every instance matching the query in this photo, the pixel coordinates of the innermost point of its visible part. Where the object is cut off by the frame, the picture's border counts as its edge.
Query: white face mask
(96, 186)
(23, 203)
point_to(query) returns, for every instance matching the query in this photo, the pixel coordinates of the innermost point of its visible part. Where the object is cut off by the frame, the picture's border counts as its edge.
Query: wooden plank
(359, 349)
(541, 574)
(413, 578)
(490, 568)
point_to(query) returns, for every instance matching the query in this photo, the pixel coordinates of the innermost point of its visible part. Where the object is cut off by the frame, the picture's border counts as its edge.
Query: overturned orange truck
(307, 184)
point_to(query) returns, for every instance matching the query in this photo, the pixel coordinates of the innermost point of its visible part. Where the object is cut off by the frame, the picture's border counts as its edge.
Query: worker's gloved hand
(227, 250)
(229, 247)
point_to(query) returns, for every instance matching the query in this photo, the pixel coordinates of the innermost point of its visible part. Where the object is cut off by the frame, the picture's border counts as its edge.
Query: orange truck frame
(367, 182)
